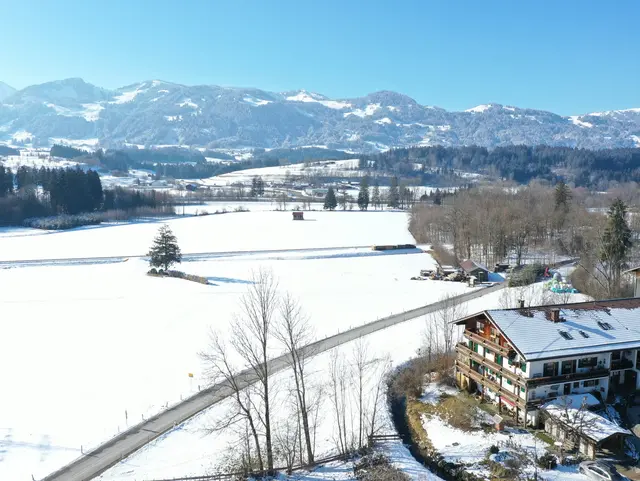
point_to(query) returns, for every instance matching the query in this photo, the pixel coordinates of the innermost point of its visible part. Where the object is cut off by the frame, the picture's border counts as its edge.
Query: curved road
(116, 449)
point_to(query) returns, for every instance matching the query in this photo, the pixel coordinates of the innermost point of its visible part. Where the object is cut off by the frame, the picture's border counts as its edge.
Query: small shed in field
(472, 268)
(298, 215)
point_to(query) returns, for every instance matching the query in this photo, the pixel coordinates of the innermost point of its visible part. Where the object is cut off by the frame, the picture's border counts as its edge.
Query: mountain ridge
(5, 91)
(157, 112)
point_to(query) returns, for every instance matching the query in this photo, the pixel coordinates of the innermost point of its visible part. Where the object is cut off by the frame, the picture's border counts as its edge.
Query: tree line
(399, 195)
(500, 223)
(40, 192)
(581, 167)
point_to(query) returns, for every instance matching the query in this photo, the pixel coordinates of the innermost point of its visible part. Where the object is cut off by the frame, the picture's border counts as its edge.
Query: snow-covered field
(36, 159)
(90, 349)
(246, 231)
(231, 206)
(280, 172)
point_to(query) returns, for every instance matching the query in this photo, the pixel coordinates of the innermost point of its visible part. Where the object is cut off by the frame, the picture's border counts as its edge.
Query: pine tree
(394, 194)
(616, 242)
(375, 195)
(363, 194)
(95, 189)
(257, 186)
(562, 197)
(344, 198)
(165, 251)
(330, 201)
(437, 198)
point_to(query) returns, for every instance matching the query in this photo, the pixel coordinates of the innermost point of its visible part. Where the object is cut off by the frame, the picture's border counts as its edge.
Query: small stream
(398, 408)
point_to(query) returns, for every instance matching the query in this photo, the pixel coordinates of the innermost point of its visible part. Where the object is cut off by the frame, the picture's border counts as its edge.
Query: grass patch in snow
(544, 437)
(457, 408)
(179, 275)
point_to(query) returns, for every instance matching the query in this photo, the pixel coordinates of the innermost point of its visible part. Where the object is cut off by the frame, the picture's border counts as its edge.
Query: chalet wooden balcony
(576, 376)
(619, 364)
(463, 350)
(484, 342)
(495, 387)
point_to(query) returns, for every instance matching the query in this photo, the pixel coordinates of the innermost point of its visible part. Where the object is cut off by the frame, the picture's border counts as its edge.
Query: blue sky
(568, 56)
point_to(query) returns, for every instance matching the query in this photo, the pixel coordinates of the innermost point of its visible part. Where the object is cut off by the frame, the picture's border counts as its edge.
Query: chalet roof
(568, 410)
(470, 265)
(586, 328)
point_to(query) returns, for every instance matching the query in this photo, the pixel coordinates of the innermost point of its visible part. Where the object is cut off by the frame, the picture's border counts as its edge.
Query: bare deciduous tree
(251, 332)
(294, 331)
(220, 369)
(287, 439)
(441, 332)
(338, 372)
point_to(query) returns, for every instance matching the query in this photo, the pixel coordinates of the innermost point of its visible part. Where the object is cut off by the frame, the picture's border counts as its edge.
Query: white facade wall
(536, 368)
(576, 387)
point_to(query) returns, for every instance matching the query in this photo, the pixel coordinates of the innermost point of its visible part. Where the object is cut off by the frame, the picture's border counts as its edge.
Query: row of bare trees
(493, 223)
(274, 420)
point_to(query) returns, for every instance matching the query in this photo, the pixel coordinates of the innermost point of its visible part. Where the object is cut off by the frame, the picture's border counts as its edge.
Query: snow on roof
(575, 400)
(470, 265)
(588, 327)
(568, 409)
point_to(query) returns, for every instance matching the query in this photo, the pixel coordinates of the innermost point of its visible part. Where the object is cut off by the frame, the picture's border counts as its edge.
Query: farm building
(472, 268)
(572, 421)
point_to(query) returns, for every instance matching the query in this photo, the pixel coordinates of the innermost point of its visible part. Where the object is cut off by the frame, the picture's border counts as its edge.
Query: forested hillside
(583, 167)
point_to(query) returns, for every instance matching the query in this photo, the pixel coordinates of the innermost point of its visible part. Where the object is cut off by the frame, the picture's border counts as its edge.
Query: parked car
(599, 471)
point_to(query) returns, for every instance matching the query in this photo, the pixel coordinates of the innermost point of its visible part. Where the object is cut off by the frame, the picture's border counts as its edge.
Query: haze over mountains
(163, 113)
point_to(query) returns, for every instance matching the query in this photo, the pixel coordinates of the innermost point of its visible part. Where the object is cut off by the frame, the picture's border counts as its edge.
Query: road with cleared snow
(118, 448)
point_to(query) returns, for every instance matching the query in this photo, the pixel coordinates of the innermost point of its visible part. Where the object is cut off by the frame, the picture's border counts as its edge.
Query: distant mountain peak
(5, 91)
(156, 112)
(388, 97)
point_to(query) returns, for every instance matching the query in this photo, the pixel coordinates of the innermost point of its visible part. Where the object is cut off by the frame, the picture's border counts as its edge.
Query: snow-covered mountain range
(162, 113)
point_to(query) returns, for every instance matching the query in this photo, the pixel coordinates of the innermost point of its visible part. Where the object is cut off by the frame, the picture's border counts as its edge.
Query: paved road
(111, 452)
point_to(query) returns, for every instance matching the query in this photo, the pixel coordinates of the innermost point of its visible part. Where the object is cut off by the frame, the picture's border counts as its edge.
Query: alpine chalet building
(522, 358)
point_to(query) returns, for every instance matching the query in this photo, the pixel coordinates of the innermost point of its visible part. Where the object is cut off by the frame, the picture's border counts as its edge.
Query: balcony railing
(489, 344)
(495, 387)
(576, 376)
(621, 364)
(463, 350)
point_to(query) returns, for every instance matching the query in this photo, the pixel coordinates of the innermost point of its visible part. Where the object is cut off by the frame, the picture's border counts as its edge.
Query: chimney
(521, 303)
(555, 315)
